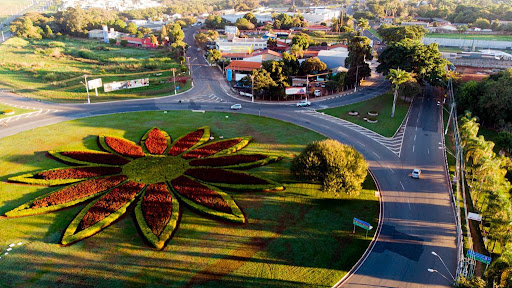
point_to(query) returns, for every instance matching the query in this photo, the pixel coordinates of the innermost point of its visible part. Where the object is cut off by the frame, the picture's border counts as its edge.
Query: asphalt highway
(418, 217)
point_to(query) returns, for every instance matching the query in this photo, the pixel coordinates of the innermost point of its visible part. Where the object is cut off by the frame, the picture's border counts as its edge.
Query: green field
(471, 36)
(299, 237)
(17, 111)
(53, 70)
(386, 125)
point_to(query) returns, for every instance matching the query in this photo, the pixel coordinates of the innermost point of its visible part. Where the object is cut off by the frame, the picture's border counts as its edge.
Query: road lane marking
(412, 148)
(414, 137)
(376, 155)
(391, 169)
(360, 143)
(428, 151)
(403, 188)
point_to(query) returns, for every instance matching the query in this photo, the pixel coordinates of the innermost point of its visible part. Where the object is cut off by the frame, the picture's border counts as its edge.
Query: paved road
(418, 217)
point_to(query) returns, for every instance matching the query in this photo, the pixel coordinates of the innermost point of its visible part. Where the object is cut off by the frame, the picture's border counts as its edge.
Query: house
(241, 45)
(138, 22)
(387, 19)
(415, 23)
(317, 28)
(264, 55)
(443, 28)
(140, 42)
(333, 58)
(231, 30)
(234, 56)
(105, 34)
(243, 65)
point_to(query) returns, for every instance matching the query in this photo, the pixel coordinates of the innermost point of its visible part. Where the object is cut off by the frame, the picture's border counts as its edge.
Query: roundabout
(417, 215)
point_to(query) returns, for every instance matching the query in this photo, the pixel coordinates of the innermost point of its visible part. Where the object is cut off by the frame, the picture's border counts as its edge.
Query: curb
(366, 253)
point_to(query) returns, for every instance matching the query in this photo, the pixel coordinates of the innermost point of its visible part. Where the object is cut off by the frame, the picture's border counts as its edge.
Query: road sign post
(360, 223)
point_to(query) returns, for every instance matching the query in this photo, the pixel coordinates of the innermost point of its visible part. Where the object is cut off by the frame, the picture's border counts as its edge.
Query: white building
(241, 45)
(231, 30)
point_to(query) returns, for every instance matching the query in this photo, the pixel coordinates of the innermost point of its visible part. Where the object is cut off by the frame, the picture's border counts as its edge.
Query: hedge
(120, 146)
(71, 235)
(86, 157)
(31, 178)
(155, 141)
(190, 141)
(28, 208)
(158, 241)
(214, 161)
(221, 147)
(235, 180)
(236, 214)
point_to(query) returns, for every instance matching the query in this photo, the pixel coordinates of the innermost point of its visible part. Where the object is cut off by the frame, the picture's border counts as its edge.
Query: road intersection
(417, 215)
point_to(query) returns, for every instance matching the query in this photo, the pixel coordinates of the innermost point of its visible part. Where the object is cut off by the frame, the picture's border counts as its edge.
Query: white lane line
(412, 148)
(360, 143)
(376, 155)
(409, 203)
(428, 151)
(391, 169)
(416, 128)
(403, 188)
(414, 137)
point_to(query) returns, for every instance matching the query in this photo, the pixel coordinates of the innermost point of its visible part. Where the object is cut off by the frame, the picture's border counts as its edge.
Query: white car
(236, 107)
(416, 173)
(303, 103)
(317, 93)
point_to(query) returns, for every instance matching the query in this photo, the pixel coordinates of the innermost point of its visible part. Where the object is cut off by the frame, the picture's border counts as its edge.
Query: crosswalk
(206, 98)
(394, 144)
(38, 111)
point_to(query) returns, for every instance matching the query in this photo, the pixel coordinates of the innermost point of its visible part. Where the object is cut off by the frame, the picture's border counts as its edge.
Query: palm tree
(363, 24)
(397, 77)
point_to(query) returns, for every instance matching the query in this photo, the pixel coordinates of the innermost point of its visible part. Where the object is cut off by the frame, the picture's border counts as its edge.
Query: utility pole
(174, 79)
(357, 72)
(252, 87)
(87, 89)
(189, 67)
(3, 38)
(307, 86)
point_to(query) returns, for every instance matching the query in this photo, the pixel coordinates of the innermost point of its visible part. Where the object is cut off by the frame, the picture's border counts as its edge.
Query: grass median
(17, 111)
(386, 125)
(299, 237)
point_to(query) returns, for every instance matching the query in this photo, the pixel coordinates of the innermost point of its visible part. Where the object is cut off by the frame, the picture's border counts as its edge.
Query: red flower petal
(227, 160)
(213, 148)
(156, 141)
(186, 142)
(94, 157)
(78, 191)
(124, 147)
(157, 207)
(215, 175)
(78, 172)
(110, 203)
(200, 194)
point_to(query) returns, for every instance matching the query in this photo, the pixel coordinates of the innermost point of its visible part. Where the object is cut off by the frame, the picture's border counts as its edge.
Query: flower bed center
(155, 169)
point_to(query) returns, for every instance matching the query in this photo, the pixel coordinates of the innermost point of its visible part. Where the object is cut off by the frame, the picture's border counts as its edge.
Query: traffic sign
(478, 257)
(362, 224)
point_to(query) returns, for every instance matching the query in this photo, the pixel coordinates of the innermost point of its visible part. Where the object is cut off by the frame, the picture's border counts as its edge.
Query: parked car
(236, 107)
(416, 173)
(317, 93)
(303, 103)
(317, 84)
(322, 85)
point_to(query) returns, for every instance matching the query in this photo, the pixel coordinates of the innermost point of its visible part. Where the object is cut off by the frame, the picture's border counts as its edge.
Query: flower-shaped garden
(159, 175)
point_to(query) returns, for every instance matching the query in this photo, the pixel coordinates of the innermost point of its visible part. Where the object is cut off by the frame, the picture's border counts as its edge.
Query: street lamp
(435, 271)
(437, 255)
(252, 87)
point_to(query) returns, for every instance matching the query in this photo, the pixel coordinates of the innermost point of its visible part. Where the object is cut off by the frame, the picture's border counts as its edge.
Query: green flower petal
(101, 213)
(157, 214)
(206, 199)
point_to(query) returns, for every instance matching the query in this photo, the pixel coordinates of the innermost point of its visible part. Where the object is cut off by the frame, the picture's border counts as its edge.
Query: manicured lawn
(374, 32)
(299, 237)
(17, 111)
(53, 70)
(386, 125)
(471, 36)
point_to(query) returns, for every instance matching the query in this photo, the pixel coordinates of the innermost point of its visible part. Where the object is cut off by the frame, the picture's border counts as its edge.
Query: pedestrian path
(394, 144)
(206, 98)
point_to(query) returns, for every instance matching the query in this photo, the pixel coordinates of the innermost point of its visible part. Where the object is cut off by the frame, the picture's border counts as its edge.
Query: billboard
(94, 84)
(128, 84)
(295, 90)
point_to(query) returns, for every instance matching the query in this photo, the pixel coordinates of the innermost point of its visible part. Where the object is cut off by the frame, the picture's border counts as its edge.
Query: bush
(7, 112)
(112, 41)
(338, 167)
(124, 43)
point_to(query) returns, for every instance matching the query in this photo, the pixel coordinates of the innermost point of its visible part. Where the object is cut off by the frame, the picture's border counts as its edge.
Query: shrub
(112, 41)
(214, 175)
(156, 141)
(121, 146)
(124, 43)
(201, 194)
(227, 160)
(54, 44)
(83, 157)
(338, 167)
(157, 207)
(7, 111)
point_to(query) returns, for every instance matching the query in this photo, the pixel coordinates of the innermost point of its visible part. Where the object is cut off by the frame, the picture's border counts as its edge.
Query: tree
(214, 55)
(482, 23)
(301, 40)
(175, 33)
(119, 24)
(202, 39)
(312, 65)
(397, 78)
(262, 81)
(504, 140)
(297, 51)
(163, 33)
(359, 51)
(215, 22)
(424, 61)
(48, 33)
(131, 28)
(392, 33)
(363, 24)
(250, 16)
(244, 24)
(338, 167)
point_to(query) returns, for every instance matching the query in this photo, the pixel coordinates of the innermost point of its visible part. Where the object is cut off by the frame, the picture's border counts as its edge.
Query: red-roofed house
(264, 55)
(140, 42)
(243, 65)
(234, 56)
(308, 54)
(317, 28)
